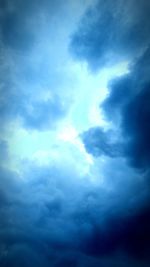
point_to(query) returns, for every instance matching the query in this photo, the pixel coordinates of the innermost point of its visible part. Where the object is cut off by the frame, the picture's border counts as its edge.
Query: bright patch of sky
(79, 91)
(63, 144)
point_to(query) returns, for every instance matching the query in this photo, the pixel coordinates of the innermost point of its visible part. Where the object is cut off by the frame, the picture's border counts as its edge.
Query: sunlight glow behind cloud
(85, 112)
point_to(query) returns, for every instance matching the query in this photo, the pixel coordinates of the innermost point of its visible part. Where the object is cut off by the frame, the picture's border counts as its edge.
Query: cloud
(136, 117)
(98, 143)
(43, 114)
(127, 105)
(32, 65)
(109, 32)
(76, 210)
(56, 217)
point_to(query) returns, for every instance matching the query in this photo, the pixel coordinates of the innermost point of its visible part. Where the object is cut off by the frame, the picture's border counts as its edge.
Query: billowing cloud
(128, 106)
(74, 189)
(110, 32)
(52, 216)
(114, 31)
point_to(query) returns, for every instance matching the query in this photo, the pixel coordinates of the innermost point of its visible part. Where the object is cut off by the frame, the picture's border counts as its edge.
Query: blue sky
(74, 106)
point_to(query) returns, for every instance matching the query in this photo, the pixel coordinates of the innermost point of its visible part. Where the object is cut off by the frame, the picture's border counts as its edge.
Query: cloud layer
(67, 197)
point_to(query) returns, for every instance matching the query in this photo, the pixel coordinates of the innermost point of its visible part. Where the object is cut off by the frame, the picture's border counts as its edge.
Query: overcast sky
(75, 133)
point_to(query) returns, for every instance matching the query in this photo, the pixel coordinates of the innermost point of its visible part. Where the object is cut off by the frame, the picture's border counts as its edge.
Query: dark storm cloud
(120, 91)
(128, 105)
(49, 216)
(52, 218)
(109, 31)
(136, 125)
(127, 234)
(129, 102)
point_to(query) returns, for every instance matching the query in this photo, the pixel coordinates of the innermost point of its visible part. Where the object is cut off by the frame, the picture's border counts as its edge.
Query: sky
(75, 133)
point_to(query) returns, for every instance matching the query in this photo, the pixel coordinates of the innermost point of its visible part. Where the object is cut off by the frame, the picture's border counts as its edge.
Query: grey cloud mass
(52, 220)
(111, 31)
(71, 212)
(107, 33)
(128, 100)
